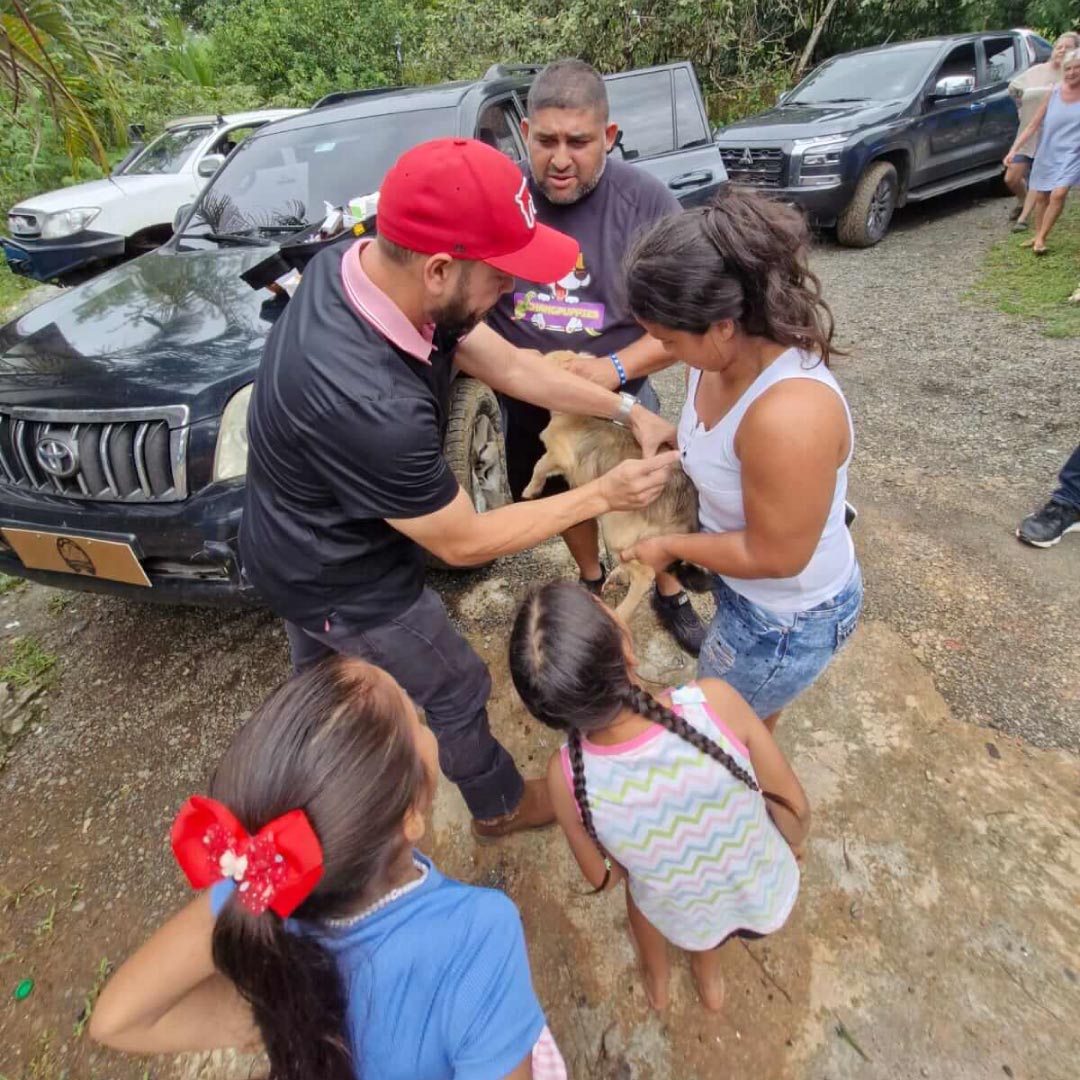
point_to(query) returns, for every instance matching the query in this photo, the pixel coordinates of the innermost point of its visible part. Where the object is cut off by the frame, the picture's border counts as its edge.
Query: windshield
(876, 76)
(168, 152)
(285, 179)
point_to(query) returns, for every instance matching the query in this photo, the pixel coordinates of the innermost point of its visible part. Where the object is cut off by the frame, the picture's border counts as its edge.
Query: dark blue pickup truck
(869, 131)
(123, 402)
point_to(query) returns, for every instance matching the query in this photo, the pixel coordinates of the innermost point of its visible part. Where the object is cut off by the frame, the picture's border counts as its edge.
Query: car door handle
(977, 106)
(702, 176)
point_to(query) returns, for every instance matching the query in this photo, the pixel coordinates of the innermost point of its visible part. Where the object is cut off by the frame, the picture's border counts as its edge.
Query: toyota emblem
(58, 455)
(747, 157)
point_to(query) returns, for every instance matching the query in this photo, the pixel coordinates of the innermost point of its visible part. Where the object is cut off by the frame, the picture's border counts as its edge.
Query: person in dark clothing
(1061, 514)
(347, 484)
(603, 203)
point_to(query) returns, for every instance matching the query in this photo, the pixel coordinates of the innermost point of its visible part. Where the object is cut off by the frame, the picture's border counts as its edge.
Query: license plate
(112, 560)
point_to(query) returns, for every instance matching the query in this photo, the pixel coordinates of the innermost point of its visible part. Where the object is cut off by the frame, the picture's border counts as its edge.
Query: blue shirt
(438, 983)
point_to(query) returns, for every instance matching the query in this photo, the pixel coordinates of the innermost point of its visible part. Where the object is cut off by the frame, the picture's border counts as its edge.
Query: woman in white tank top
(765, 435)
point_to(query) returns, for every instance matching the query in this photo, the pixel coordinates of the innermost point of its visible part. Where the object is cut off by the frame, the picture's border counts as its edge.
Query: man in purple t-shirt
(603, 203)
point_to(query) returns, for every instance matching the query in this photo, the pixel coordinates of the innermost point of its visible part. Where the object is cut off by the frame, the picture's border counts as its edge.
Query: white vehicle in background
(76, 231)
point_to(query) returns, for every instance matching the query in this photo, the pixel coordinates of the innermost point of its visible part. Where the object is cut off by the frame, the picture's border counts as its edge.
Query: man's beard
(560, 198)
(456, 319)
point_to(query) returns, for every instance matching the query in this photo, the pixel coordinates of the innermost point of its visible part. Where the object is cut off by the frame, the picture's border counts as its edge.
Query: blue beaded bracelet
(619, 369)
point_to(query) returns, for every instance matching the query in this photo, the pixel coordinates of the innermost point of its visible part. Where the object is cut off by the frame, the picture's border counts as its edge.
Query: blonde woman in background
(1056, 168)
(1029, 90)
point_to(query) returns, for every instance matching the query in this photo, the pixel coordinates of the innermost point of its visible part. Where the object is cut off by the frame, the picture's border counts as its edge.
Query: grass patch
(10, 584)
(12, 287)
(29, 663)
(1017, 282)
(59, 602)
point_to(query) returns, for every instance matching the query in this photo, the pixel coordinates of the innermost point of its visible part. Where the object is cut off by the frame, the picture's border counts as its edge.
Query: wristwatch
(626, 403)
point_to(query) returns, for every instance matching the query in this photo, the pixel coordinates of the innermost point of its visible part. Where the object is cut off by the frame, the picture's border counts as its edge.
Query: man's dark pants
(1068, 491)
(443, 675)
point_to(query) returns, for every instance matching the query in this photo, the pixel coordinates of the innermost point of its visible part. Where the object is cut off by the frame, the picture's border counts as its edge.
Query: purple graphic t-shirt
(586, 311)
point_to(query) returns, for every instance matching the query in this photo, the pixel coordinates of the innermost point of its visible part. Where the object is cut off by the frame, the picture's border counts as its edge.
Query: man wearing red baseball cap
(347, 485)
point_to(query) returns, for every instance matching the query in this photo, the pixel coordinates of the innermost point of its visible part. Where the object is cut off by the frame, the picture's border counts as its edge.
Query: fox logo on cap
(526, 205)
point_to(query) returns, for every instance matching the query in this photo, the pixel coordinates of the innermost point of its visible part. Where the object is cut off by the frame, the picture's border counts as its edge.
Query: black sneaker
(596, 586)
(1047, 526)
(680, 619)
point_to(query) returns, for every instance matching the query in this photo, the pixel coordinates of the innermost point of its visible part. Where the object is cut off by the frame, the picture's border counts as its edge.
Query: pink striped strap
(547, 1062)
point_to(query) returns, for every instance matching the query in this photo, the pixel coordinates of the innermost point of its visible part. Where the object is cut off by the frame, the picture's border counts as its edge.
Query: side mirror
(210, 164)
(181, 213)
(954, 86)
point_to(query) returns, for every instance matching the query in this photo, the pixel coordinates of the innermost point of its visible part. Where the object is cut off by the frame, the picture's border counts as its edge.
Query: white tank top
(709, 459)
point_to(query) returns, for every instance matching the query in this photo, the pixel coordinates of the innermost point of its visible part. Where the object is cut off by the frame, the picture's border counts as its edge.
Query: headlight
(66, 222)
(817, 160)
(230, 457)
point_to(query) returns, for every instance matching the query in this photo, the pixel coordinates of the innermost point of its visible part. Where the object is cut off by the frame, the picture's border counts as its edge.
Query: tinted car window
(873, 76)
(641, 106)
(961, 61)
(1000, 60)
(284, 179)
(497, 126)
(689, 122)
(168, 152)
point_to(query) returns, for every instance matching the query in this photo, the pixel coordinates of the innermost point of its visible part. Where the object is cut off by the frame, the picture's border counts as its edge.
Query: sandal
(1020, 226)
(1028, 243)
(1040, 251)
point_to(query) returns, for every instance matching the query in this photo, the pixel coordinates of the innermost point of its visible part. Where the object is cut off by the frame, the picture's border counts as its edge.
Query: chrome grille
(755, 166)
(124, 455)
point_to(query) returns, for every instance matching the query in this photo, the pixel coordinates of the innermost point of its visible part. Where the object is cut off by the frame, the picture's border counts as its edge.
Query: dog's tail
(693, 577)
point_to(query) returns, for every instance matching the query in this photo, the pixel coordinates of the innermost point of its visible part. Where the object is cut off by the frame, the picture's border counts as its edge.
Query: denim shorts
(771, 657)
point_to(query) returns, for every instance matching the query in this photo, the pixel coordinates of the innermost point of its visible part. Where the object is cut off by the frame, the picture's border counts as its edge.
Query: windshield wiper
(227, 238)
(275, 230)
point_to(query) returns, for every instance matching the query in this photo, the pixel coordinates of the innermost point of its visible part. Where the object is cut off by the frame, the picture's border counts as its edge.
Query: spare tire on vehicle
(475, 449)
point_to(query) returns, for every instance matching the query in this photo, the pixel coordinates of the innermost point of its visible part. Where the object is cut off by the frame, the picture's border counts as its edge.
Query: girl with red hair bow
(322, 931)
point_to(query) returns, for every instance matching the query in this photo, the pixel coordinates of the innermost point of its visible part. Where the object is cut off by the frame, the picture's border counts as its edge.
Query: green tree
(49, 56)
(298, 50)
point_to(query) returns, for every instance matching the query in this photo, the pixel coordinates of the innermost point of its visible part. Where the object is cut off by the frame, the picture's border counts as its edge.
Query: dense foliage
(73, 73)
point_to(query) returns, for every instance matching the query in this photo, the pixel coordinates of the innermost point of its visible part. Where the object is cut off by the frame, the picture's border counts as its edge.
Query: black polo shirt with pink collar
(345, 430)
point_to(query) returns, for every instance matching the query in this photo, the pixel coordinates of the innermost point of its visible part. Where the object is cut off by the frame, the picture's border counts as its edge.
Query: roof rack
(338, 96)
(183, 121)
(502, 71)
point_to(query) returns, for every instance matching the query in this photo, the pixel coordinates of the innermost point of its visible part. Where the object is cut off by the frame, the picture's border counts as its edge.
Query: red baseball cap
(464, 198)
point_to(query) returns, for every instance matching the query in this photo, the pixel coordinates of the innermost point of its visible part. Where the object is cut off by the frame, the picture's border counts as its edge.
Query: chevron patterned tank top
(703, 856)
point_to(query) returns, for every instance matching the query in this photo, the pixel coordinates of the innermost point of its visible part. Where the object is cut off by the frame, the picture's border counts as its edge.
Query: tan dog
(582, 448)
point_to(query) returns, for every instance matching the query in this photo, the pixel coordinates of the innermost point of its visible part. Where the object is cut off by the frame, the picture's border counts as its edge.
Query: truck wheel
(475, 449)
(866, 218)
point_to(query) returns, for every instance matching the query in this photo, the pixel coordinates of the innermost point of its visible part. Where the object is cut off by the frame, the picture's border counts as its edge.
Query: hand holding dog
(652, 553)
(635, 483)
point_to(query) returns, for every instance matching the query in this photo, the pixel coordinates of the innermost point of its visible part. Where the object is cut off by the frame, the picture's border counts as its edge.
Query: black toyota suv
(869, 131)
(123, 402)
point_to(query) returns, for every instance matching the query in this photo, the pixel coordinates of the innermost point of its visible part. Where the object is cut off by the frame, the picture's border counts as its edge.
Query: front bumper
(47, 259)
(823, 205)
(187, 549)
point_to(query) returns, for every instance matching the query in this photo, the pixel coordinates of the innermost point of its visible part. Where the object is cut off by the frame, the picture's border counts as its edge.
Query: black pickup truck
(123, 402)
(869, 131)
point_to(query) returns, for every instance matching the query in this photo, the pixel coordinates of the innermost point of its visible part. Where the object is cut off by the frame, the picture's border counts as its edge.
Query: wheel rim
(881, 206)
(486, 466)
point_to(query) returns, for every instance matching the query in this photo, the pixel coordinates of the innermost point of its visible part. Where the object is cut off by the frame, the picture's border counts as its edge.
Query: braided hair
(568, 664)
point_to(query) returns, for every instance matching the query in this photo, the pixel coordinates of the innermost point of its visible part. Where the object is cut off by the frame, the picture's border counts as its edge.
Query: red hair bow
(277, 868)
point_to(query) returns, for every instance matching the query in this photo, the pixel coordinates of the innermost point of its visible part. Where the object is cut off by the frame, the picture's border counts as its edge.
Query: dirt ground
(938, 929)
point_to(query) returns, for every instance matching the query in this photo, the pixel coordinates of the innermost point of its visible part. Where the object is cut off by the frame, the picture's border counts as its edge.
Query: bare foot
(709, 976)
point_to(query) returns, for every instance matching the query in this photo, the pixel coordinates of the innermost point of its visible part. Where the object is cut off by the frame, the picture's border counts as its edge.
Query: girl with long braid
(685, 796)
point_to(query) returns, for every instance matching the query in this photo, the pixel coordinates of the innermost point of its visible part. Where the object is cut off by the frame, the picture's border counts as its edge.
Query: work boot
(533, 812)
(680, 620)
(1047, 526)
